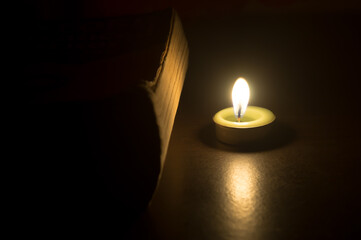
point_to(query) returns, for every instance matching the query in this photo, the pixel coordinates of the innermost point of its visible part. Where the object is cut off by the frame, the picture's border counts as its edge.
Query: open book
(99, 98)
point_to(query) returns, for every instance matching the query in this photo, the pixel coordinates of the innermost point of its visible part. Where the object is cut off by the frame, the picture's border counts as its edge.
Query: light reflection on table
(242, 188)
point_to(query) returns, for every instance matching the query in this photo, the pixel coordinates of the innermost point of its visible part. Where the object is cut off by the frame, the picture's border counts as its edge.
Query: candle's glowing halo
(240, 97)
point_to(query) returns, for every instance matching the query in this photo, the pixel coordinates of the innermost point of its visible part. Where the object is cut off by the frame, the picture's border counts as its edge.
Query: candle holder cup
(256, 124)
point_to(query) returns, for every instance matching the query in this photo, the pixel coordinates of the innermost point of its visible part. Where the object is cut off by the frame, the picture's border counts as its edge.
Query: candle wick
(239, 115)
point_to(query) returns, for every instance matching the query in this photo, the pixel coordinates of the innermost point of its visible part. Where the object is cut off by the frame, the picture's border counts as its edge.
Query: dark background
(302, 60)
(189, 10)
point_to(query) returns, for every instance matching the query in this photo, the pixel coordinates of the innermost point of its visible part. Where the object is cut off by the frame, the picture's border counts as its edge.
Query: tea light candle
(242, 123)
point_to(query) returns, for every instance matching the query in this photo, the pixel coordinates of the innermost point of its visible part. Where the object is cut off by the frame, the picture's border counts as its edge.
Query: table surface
(303, 181)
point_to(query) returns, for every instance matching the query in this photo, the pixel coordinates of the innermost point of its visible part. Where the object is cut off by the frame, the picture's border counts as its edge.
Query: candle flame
(240, 97)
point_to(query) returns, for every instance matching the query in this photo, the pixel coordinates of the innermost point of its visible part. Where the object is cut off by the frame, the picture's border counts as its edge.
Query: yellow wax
(253, 117)
(254, 125)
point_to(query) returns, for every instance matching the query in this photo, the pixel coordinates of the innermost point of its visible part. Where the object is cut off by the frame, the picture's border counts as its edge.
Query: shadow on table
(280, 135)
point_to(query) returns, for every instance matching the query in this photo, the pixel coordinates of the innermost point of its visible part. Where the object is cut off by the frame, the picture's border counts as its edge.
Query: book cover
(97, 103)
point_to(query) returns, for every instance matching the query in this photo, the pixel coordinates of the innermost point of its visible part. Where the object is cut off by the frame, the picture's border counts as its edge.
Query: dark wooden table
(303, 181)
